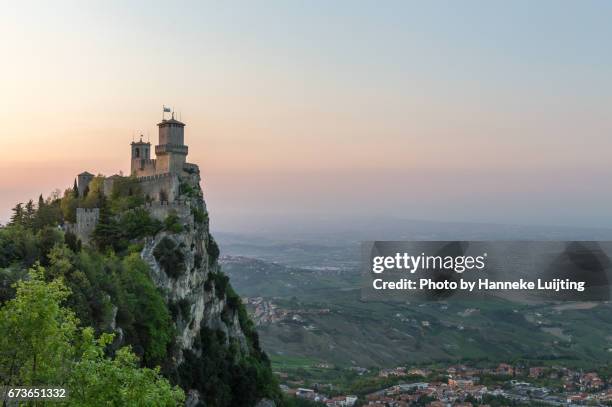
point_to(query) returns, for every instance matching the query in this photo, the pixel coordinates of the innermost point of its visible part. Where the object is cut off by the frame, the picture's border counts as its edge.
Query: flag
(167, 109)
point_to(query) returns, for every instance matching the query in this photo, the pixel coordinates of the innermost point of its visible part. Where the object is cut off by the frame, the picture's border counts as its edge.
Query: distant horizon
(471, 112)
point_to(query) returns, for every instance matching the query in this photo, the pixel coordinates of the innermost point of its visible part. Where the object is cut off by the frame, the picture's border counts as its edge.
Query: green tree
(35, 345)
(18, 215)
(48, 213)
(170, 257)
(94, 193)
(117, 382)
(75, 190)
(29, 214)
(68, 205)
(41, 345)
(153, 324)
(108, 234)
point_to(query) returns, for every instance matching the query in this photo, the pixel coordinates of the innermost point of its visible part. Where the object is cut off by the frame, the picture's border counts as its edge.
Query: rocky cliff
(216, 353)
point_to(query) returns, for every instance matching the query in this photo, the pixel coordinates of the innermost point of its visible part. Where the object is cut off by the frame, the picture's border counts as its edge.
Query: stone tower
(83, 180)
(171, 152)
(141, 156)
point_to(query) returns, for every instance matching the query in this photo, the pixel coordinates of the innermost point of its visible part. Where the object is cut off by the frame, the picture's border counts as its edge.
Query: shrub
(138, 223)
(69, 354)
(199, 216)
(213, 250)
(153, 325)
(197, 260)
(185, 307)
(187, 190)
(172, 223)
(222, 378)
(72, 242)
(221, 282)
(170, 257)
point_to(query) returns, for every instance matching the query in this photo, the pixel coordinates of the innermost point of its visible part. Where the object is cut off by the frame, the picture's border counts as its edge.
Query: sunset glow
(504, 110)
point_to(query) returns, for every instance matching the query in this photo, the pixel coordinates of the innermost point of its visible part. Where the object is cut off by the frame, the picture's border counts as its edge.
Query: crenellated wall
(86, 221)
(161, 210)
(160, 187)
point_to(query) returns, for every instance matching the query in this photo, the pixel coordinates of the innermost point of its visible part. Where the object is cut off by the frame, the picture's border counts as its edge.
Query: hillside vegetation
(108, 325)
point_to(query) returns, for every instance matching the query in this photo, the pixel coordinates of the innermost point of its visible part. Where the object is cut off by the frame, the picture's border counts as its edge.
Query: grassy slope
(373, 334)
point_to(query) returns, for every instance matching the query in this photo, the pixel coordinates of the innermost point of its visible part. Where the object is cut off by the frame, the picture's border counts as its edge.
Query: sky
(296, 111)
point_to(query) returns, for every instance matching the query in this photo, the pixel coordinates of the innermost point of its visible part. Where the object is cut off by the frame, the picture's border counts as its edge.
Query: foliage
(155, 330)
(95, 193)
(172, 223)
(36, 333)
(138, 223)
(223, 378)
(42, 345)
(126, 194)
(116, 232)
(187, 190)
(73, 242)
(199, 216)
(185, 307)
(36, 217)
(213, 250)
(197, 260)
(97, 282)
(119, 381)
(18, 246)
(107, 233)
(69, 205)
(170, 257)
(111, 283)
(220, 281)
(48, 212)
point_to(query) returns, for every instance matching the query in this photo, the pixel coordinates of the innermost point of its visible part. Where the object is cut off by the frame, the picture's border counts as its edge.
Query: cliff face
(213, 331)
(184, 284)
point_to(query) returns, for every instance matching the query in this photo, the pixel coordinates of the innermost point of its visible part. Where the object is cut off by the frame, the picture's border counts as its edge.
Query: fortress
(159, 178)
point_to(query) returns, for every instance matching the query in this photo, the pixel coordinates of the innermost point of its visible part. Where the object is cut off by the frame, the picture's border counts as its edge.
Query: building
(170, 153)
(159, 178)
(83, 180)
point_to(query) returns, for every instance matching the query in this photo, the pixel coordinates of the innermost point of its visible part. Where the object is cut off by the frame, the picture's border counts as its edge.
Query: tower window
(137, 153)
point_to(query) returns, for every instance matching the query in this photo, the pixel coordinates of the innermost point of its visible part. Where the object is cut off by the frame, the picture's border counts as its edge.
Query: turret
(171, 152)
(83, 180)
(141, 154)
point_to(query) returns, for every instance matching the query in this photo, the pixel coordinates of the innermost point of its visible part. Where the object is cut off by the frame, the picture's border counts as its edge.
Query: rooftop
(170, 121)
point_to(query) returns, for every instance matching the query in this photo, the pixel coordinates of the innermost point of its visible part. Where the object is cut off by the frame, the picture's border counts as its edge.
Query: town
(463, 386)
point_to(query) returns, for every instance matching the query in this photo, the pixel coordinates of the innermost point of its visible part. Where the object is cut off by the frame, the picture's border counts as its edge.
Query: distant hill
(368, 334)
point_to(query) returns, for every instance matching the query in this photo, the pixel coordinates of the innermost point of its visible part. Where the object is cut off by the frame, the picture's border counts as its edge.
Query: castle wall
(161, 210)
(87, 219)
(160, 185)
(170, 162)
(107, 184)
(144, 167)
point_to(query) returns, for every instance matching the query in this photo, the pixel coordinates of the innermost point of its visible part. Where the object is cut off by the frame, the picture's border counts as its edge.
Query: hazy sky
(490, 111)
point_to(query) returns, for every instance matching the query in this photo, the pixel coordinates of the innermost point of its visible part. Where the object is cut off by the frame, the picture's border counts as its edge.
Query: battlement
(154, 177)
(171, 148)
(87, 211)
(161, 210)
(178, 204)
